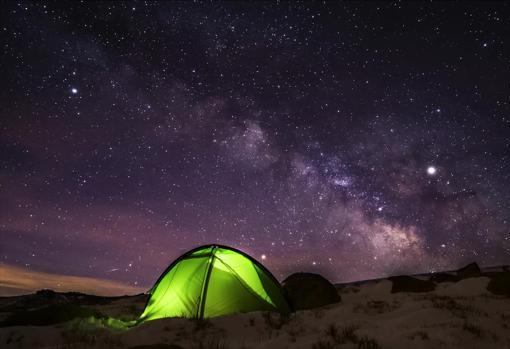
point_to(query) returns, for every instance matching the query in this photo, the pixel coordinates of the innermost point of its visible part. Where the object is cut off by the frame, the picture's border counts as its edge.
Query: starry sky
(355, 140)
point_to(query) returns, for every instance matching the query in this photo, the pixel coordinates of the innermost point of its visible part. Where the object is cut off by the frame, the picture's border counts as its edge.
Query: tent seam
(201, 305)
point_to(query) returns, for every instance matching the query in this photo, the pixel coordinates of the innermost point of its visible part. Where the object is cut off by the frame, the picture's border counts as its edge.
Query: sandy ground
(455, 315)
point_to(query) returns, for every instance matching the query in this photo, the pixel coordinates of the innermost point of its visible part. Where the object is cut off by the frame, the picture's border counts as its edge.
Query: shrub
(457, 309)
(323, 345)
(368, 343)
(473, 329)
(275, 321)
(420, 334)
(374, 307)
(156, 346)
(344, 335)
(49, 315)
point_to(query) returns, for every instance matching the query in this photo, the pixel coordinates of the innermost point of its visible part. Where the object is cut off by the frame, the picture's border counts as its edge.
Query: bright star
(263, 257)
(431, 170)
(74, 90)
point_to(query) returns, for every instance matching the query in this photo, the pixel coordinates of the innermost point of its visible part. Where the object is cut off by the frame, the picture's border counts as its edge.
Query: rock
(500, 284)
(444, 277)
(405, 283)
(308, 290)
(469, 271)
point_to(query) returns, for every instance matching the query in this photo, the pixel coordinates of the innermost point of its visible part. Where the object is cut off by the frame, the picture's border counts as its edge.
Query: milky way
(356, 140)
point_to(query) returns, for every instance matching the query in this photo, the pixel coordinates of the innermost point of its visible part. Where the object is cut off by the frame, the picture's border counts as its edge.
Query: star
(256, 139)
(342, 182)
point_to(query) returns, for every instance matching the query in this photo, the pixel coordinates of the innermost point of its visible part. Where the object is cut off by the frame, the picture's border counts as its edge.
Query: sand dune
(371, 315)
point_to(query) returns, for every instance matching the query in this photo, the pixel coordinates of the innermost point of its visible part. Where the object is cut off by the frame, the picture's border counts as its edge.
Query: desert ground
(447, 310)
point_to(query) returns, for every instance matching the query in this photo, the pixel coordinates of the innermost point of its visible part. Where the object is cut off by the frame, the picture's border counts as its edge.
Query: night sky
(355, 140)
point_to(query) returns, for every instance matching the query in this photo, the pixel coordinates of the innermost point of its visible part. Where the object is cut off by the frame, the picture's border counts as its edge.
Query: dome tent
(213, 280)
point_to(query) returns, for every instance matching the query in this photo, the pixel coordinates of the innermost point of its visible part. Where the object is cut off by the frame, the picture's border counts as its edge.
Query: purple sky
(356, 140)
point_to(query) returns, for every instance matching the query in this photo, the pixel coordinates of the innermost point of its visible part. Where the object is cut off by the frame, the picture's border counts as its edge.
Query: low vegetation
(275, 321)
(337, 337)
(455, 306)
(50, 315)
(76, 335)
(424, 336)
(475, 330)
(374, 307)
(368, 343)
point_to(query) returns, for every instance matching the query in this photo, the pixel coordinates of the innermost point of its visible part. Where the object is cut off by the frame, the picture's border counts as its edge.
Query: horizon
(18, 282)
(352, 140)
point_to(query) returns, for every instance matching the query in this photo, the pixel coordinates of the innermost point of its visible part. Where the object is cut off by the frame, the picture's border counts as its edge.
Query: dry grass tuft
(420, 334)
(455, 307)
(275, 321)
(338, 337)
(368, 343)
(475, 330)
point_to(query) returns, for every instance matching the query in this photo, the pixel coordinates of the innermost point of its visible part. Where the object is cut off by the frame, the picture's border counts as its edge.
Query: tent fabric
(211, 281)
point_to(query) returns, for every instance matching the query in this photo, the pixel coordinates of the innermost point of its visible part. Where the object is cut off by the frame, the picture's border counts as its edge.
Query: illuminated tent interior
(212, 281)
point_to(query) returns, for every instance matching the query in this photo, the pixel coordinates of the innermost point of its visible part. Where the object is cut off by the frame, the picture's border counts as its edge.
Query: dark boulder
(500, 284)
(469, 271)
(444, 277)
(308, 290)
(405, 283)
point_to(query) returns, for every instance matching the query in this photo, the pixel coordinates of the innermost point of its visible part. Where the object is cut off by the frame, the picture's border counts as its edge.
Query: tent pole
(205, 284)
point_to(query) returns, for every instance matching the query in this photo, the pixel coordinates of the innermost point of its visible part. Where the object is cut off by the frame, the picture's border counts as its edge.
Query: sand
(455, 315)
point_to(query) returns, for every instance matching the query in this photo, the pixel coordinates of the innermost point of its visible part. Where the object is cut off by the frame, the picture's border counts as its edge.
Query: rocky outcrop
(500, 284)
(308, 290)
(469, 271)
(405, 283)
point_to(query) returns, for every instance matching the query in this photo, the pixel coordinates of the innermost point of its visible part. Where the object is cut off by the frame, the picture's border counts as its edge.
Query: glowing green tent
(211, 281)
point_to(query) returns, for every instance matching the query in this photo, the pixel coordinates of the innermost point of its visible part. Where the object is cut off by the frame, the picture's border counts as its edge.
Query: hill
(467, 308)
